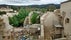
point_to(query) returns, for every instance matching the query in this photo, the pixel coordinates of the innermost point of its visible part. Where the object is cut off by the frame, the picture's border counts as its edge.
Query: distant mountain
(44, 6)
(32, 6)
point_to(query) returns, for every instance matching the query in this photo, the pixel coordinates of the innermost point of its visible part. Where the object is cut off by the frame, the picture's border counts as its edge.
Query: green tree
(22, 14)
(34, 17)
(43, 10)
(18, 20)
(13, 21)
(15, 8)
(51, 7)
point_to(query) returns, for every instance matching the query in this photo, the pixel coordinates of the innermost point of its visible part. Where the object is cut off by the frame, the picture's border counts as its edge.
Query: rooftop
(65, 2)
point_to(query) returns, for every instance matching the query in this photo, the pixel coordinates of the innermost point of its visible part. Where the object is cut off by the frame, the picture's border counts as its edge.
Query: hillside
(33, 6)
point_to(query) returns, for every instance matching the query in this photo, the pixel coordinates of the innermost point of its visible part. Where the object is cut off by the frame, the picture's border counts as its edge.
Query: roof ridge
(65, 2)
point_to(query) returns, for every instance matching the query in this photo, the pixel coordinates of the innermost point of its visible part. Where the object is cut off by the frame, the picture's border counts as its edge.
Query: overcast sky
(30, 2)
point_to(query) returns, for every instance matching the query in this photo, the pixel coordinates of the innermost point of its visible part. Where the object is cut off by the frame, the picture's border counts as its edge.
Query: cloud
(29, 2)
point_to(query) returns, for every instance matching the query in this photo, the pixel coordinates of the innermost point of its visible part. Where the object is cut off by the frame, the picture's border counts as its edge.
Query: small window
(67, 20)
(60, 16)
(3, 37)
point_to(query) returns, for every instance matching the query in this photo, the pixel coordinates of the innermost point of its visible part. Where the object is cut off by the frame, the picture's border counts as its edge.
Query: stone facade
(2, 27)
(52, 25)
(66, 14)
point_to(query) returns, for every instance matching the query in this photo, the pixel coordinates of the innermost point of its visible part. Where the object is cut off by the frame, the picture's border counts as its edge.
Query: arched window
(67, 20)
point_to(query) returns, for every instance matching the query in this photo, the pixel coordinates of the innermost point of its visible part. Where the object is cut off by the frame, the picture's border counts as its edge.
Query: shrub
(18, 20)
(34, 17)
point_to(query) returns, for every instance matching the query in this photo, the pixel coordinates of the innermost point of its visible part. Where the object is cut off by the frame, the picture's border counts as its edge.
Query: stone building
(46, 21)
(5, 8)
(52, 23)
(6, 21)
(26, 21)
(2, 27)
(34, 30)
(4, 34)
(5, 27)
(66, 14)
(58, 25)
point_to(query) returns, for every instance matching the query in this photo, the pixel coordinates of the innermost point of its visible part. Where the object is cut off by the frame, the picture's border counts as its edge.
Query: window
(3, 36)
(63, 13)
(60, 16)
(67, 20)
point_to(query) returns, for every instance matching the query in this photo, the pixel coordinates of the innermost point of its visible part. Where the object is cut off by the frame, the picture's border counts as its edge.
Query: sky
(30, 2)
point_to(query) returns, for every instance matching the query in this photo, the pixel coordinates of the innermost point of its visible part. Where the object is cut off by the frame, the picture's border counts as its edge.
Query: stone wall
(66, 13)
(2, 26)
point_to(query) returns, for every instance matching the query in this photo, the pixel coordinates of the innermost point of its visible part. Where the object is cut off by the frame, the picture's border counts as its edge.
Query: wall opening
(67, 20)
